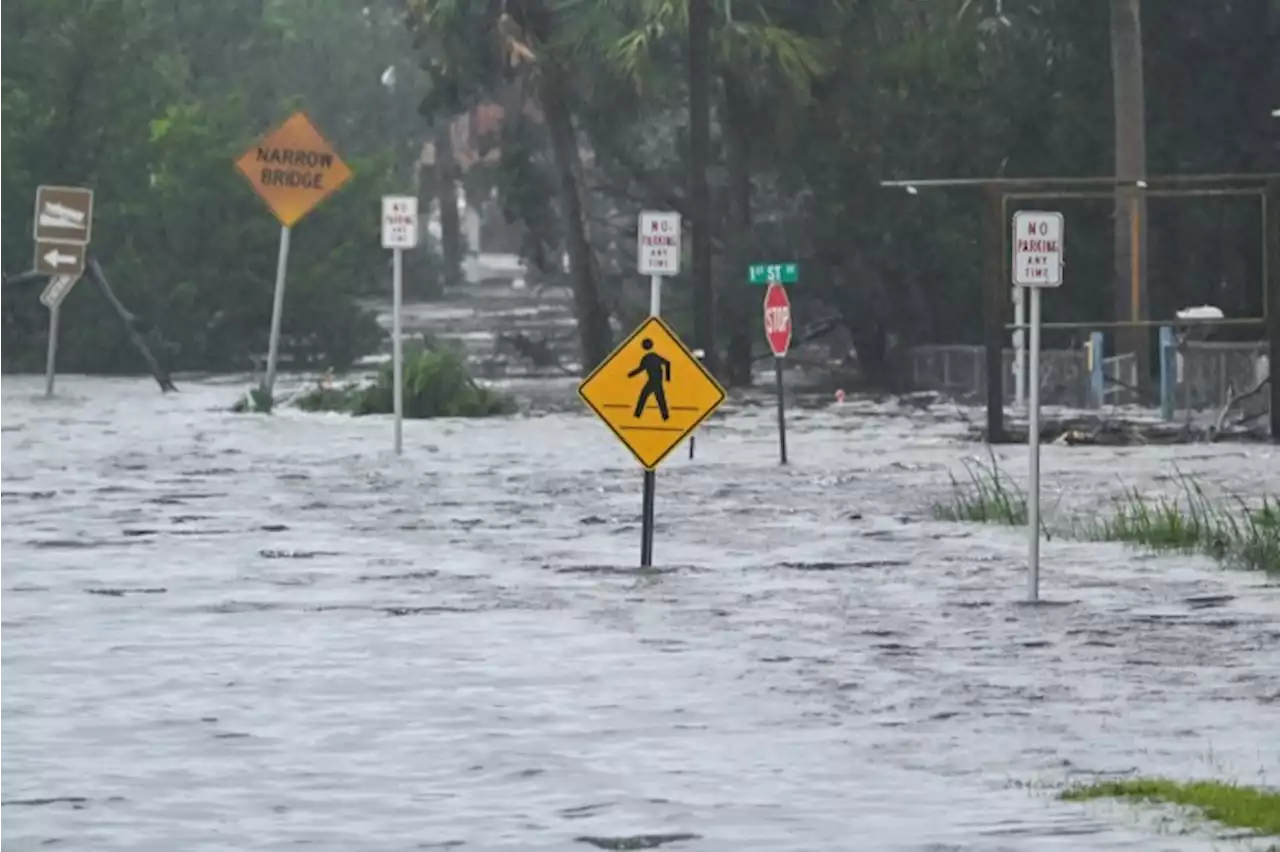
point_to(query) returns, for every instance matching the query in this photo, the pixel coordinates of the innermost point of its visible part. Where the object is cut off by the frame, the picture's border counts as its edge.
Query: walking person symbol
(657, 370)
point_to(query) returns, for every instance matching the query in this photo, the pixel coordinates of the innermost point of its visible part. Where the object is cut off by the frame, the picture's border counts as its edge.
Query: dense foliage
(814, 103)
(149, 102)
(811, 104)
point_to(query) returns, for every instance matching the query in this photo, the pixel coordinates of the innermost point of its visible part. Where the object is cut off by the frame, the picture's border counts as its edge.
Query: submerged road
(229, 632)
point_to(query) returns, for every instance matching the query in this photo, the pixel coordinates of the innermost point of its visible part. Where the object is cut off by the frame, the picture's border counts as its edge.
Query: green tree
(149, 102)
(472, 50)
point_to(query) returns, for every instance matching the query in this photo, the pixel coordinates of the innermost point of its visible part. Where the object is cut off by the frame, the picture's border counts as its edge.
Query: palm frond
(798, 58)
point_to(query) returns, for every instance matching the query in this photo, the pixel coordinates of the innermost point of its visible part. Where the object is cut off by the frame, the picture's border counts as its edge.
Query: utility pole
(1129, 103)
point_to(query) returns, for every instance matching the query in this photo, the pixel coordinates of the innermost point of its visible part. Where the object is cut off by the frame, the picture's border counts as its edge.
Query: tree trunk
(447, 197)
(699, 192)
(735, 303)
(423, 277)
(871, 343)
(1131, 165)
(593, 320)
(131, 325)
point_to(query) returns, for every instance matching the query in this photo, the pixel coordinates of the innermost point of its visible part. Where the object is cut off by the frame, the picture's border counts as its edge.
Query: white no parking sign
(1037, 249)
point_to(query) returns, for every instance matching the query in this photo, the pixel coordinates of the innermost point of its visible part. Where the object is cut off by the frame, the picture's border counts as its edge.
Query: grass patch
(1236, 805)
(1228, 530)
(436, 384)
(984, 497)
(1231, 532)
(1159, 523)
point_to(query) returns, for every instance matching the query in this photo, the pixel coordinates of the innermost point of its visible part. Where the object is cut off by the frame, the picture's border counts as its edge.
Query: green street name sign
(783, 273)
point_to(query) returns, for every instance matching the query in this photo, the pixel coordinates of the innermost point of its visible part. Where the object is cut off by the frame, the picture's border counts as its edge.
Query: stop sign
(777, 319)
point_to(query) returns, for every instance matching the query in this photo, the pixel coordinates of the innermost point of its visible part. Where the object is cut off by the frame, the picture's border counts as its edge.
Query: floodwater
(228, 632)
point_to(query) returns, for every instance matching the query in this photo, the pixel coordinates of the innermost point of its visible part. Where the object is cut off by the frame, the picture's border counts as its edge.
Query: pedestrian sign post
(658, 256)
(293, 168)
(651, 392)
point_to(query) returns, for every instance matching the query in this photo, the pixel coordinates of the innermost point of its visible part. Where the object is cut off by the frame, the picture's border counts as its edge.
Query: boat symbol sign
(64, 214)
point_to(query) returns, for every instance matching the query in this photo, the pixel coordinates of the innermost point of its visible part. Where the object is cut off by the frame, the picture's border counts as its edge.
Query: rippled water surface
(242, 633)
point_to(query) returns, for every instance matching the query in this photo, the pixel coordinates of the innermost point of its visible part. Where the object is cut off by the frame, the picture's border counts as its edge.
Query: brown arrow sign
(60, 258)
(64, 214)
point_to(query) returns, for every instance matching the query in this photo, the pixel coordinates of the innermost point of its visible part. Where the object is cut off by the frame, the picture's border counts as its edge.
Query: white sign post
(658, 256)
(1020, 346)
(1037, 264)
(399, 232)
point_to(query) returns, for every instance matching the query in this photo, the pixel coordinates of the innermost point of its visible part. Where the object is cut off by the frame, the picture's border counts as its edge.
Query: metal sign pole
(782, 416)
(277, 308)
(1033, 443)
(693, 436)
(397, 349)
(777, 330)
(1020, 346)
(650, 477)
(1037, 263)
(399, 232)
(51, 359)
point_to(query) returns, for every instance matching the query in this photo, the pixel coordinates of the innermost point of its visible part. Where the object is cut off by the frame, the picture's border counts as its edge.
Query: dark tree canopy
(810, 106)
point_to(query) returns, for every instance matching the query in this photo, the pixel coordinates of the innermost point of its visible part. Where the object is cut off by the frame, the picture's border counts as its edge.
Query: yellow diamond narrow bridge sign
(652, 392)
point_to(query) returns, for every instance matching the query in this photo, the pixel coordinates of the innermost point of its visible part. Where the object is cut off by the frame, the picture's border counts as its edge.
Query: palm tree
(529, 43)
(763, 69)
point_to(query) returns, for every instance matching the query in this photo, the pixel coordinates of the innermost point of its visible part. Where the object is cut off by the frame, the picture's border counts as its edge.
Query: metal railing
(960, 371)
(1207, 374)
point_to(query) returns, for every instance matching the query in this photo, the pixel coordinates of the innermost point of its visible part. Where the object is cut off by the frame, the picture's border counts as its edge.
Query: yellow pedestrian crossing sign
(651, 392)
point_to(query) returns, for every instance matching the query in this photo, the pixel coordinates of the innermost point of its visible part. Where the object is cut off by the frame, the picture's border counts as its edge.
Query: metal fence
(960, 371)
(1120, 379)
(1207, 375)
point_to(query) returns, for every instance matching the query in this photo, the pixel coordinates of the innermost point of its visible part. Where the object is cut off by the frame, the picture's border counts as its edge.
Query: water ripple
(253, 633)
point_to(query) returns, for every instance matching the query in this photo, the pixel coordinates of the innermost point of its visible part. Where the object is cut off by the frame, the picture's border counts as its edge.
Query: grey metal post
(51, 359)
(397, 349)
(647, 512)
(1033, 443)
(277, 308)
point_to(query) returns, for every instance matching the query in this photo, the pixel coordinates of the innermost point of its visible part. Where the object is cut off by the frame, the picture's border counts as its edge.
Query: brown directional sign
(293, 168)
(60, 258)
(64, 214)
